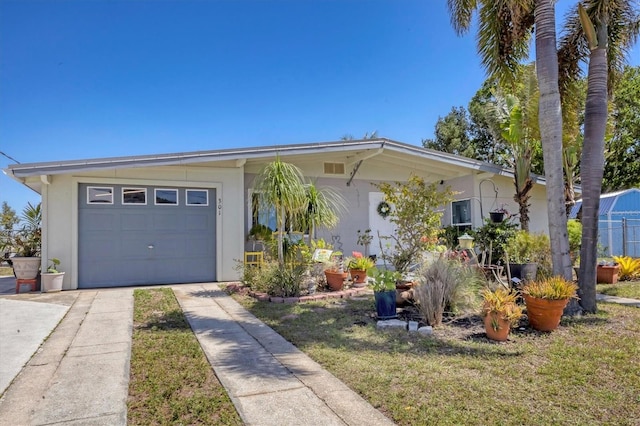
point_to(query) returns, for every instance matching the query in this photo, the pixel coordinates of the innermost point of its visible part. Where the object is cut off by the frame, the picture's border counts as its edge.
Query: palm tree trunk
(280, 219)
(591, 171)
(550, 119)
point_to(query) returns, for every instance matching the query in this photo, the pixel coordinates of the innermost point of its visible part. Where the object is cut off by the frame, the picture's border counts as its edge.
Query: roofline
(18, 171)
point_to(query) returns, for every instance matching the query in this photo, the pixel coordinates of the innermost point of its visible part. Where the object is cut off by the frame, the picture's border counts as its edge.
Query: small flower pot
(496, 217)
(496, 327)
(52, 282)
(358, 276)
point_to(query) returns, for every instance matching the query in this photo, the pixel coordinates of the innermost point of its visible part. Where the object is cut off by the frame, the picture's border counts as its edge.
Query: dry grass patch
(171, 381)
(584, 373)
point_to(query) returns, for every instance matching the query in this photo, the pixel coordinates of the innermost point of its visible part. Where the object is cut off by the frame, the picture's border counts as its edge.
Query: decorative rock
(394, 323)
(427, 330)
(413, 325)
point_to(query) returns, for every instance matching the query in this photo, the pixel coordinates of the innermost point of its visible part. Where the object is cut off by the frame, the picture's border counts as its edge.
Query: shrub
(446, 284)
(491, 239)
(629, 267)
(286, 282)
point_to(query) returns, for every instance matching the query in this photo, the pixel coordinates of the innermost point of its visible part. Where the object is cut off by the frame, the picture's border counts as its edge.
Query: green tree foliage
(417, 209)
(452, 134)
(9, 217)
(622, 155)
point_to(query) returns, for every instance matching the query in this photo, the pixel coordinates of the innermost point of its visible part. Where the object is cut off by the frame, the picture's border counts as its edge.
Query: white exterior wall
(60, 211)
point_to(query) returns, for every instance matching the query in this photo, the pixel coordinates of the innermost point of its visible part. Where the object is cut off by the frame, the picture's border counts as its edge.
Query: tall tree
(603, 30)
(452, 134)
(504, 30)
(622, 154)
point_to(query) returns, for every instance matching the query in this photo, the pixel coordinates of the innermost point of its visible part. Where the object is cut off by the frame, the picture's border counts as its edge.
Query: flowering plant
(359, 262)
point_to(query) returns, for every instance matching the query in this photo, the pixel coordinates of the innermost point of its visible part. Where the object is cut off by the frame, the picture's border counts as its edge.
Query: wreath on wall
(384, 209)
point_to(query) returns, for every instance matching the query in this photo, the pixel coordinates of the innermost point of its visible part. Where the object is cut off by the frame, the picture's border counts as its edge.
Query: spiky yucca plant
(629, 267)
(553, 288)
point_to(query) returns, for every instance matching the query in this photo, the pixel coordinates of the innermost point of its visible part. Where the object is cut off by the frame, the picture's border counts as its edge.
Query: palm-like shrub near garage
(280, 185)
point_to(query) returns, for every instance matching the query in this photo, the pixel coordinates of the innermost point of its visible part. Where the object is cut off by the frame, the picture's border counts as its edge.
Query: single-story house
(184, 217)
(618, 222)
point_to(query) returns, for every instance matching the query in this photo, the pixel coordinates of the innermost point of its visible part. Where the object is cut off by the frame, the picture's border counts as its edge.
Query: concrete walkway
(618, 300)
(269, 380)
(80, 375)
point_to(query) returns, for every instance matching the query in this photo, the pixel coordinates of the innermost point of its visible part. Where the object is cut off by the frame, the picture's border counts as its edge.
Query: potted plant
(607, 272)
(334, 272)
(546, 299)
(53, 278)
(524, 251)
(26, 243)
(500, 312)
(358, 266)
(383, 283)
(498, 215)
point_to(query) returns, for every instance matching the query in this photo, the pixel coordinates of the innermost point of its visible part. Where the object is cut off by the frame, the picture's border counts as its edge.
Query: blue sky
(95, 78)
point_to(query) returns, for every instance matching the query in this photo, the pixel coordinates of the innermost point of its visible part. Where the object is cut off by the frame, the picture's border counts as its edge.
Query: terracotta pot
(502, 333)
(358, 276)
(607, 274)
(335, 280)
(544, 314)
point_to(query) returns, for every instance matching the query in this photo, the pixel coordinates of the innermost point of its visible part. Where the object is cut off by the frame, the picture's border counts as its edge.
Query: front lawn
(171, 381)
(584, 373)
(630, 289)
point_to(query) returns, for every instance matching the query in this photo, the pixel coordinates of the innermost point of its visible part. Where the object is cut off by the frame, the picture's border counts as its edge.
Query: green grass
(630, 289)
(171, 381)
(584, 373)
(6, 270)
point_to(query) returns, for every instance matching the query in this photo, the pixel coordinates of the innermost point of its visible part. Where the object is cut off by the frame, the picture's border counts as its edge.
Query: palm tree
(503, 42)
(604, 30)
(280, 185)
(324, 206)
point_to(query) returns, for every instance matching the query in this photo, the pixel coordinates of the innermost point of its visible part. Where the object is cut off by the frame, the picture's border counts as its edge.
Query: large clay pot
(607, 274)
(335, 280)
(385, 304)
(503, 327)
(26, 268)
(544, 314)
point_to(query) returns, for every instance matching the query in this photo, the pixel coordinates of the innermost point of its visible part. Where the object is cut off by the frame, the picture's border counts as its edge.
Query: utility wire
(9, 157)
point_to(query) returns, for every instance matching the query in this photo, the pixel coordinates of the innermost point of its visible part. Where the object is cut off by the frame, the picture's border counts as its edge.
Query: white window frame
(89, 188)
(140, 189)
(155, 197)
(186, 197)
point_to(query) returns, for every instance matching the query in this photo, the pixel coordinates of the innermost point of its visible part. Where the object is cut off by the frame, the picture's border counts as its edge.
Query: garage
(145, 235)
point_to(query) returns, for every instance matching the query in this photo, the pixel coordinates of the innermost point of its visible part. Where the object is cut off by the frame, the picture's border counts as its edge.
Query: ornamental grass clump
(503, 303)
(553, 288)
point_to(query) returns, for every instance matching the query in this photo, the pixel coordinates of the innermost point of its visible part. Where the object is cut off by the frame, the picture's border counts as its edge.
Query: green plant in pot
(526, 253)
(334, 271)
(546, 299)
(52, 280)
(26, 243)
(358, 266)
(383, 283)
(500, 312)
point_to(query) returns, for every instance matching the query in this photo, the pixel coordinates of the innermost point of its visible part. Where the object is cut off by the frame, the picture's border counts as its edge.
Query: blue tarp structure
(618, 221)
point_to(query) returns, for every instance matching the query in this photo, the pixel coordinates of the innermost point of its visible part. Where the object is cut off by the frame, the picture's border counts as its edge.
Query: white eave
(239, 156)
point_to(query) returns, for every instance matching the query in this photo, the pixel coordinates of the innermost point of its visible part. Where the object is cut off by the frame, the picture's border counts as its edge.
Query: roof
(447, 164)
(607, 202)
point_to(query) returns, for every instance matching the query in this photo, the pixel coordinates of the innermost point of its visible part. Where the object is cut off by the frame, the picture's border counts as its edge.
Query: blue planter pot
(386, 304)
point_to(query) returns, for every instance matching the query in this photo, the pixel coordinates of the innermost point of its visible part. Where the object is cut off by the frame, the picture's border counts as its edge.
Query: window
(197, 197)
(99, 195)
(461, 212)
(261, 215)
(166, 196)
(134, 196)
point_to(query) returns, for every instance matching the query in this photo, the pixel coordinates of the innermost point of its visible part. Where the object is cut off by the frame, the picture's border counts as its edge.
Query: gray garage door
(145, 235)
